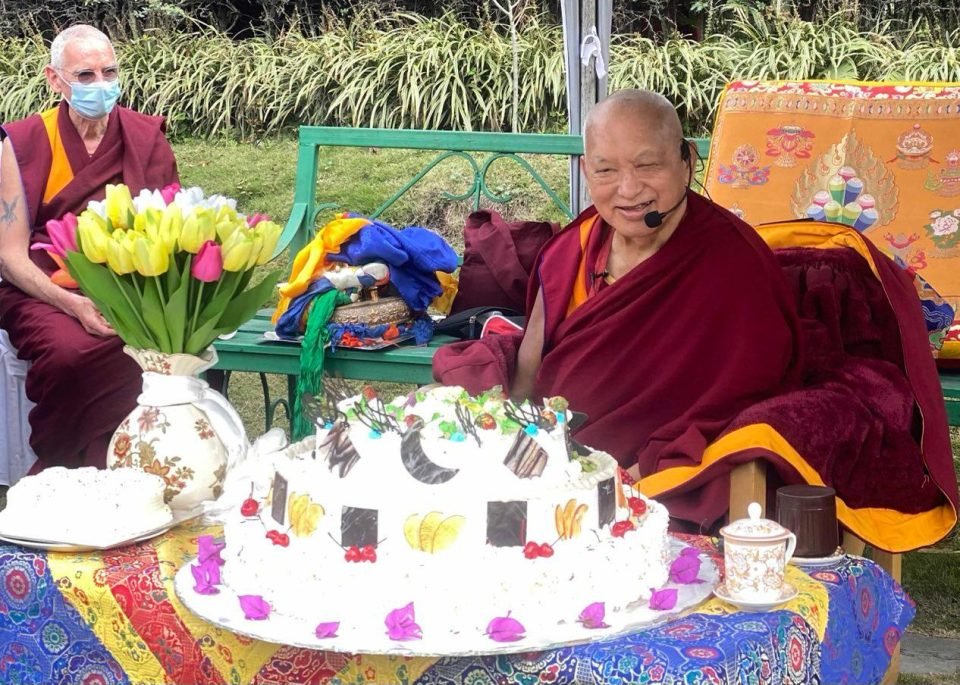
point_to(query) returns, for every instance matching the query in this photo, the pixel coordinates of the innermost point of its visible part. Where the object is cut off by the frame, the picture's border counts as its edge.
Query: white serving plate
(9, 535)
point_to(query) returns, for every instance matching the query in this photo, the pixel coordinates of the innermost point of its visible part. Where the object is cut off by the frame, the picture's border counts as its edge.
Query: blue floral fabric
(42, 637)
(868, 612)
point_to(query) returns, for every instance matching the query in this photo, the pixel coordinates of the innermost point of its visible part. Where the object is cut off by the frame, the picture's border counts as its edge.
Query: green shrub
(410, 71)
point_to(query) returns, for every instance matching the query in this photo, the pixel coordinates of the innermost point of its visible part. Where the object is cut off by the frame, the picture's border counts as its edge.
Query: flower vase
(181, 429)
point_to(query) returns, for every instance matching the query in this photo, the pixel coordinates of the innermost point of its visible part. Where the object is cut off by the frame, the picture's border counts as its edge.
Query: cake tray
(100, 545)
(223, 609)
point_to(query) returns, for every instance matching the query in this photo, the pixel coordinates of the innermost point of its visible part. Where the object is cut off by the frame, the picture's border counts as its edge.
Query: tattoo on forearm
(8, 211)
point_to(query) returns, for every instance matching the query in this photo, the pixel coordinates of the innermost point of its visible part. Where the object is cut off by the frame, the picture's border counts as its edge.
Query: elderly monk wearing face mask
(53, 163)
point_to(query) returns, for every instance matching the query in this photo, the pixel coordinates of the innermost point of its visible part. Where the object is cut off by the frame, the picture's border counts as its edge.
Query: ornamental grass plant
(410, 71)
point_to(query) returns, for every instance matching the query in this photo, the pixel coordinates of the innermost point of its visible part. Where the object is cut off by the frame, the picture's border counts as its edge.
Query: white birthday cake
(452, 508)
(85, 505)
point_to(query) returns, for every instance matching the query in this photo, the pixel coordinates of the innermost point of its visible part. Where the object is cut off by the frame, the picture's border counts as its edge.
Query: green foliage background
(455, 71)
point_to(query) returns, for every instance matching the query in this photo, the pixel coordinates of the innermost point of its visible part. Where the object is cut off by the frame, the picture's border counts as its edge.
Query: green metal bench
(249, 351)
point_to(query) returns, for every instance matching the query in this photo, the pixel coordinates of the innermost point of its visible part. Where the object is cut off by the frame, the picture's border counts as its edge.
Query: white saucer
(787, 592)
(818, 562)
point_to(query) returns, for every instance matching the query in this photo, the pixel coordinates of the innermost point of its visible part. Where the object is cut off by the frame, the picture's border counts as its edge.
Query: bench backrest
(300, 226)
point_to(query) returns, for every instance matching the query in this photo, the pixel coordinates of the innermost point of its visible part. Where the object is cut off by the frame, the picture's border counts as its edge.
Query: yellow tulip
(119, 205)
(236, 251)
(255, 249)
(171, 223)
(226, 228)
(271, 234)
(91, 216)
(93, 239)
(119, 258)
(197, 229)
(150, 257)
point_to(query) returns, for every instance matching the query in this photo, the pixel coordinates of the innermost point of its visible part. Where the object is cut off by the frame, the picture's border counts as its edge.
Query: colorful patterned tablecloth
(113, 617)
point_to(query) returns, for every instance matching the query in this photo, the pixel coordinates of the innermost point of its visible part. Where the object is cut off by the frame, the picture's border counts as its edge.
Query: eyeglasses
(88, 76)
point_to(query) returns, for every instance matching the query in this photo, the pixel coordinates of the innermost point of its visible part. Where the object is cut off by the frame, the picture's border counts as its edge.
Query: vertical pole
(589, 86)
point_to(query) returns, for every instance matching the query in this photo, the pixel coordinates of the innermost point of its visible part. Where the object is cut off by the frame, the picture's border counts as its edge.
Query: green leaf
(245, 305)
(152, 313)
(175, 313)
(120, 306)
(201, 338)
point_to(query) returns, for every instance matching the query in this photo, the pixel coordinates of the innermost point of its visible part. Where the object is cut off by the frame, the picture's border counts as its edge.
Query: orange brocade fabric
(882, 158)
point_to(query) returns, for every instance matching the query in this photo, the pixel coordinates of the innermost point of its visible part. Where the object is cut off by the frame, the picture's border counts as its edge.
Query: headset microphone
(653, 219)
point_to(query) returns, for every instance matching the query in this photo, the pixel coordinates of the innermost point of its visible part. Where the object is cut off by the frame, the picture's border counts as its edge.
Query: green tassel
(315, 339)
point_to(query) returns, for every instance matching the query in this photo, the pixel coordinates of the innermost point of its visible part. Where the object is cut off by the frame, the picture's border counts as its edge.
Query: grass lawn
(261, 176)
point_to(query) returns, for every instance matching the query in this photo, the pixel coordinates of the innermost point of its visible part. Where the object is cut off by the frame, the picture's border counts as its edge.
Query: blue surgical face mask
(94, 100)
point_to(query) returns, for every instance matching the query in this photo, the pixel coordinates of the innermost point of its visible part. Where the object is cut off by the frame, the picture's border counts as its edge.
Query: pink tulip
(169, 192)
(208, 264)
(63, 234)
(255, 219)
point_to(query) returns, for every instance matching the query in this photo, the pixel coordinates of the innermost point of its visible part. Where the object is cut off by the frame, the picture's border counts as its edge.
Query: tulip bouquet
(168, 269)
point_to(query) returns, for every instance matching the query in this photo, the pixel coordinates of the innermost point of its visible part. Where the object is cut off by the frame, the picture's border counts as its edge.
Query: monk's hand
(89, 316)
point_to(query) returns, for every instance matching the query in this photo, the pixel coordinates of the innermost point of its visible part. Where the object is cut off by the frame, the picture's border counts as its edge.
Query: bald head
(647, 108)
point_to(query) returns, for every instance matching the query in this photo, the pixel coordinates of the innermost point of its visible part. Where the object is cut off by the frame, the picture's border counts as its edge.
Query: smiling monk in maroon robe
(53, 163)
(674, 327)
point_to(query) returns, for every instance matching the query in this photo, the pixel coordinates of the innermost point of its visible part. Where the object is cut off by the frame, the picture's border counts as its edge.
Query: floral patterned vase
(181, 430)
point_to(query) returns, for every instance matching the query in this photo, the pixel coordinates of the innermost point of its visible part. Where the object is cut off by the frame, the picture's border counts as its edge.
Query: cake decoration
(255, 608)
(532, 550)
(326, 630)
(357, 555)
(278, 538)
(433, 532)
(526, 458)
(279, 495)
(402, 625)
(340, 450)
(606, 501)
(506, 524)
(592, 616)
(505, 629)
(469, 428)
(206, 572)
(372, 412)
(416, 461)
(686, 567)
(621, 528)
(569, 519)
(637, 506)
(663, 600)
(304, 515)
(358, 527)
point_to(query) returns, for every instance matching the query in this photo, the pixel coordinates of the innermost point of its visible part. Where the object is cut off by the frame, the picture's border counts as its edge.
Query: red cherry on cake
(368, 553)
(637, 506)
(281, 539)
(531, 550)
(369, 394)
(272, 535)
(621, 528)
(352, 554)
(486, 422)
(410, 419)
(546, 550)
(249, 507)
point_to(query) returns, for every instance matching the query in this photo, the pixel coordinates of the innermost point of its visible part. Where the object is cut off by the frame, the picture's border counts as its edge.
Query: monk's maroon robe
(83, 385)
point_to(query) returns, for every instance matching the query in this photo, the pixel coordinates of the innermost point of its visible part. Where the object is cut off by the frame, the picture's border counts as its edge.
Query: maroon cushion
(497, 259)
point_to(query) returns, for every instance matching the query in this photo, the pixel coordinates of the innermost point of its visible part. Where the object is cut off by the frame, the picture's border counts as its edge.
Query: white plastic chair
(16, 457)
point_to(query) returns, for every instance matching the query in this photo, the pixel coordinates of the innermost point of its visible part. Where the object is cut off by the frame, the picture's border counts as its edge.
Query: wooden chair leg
(891, 563)
(893, 670)
(852, 544)
(748, 483)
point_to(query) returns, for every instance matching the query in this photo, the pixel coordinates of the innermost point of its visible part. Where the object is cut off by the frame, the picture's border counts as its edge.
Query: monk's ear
(53, 79)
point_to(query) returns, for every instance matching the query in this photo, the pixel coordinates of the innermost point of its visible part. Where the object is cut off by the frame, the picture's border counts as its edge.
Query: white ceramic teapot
(755, 556)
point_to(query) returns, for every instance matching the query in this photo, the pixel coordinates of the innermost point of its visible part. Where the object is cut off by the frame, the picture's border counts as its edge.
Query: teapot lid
(753, 527)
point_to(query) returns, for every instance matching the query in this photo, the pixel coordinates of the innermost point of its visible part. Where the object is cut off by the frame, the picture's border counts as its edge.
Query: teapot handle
(791, 546)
